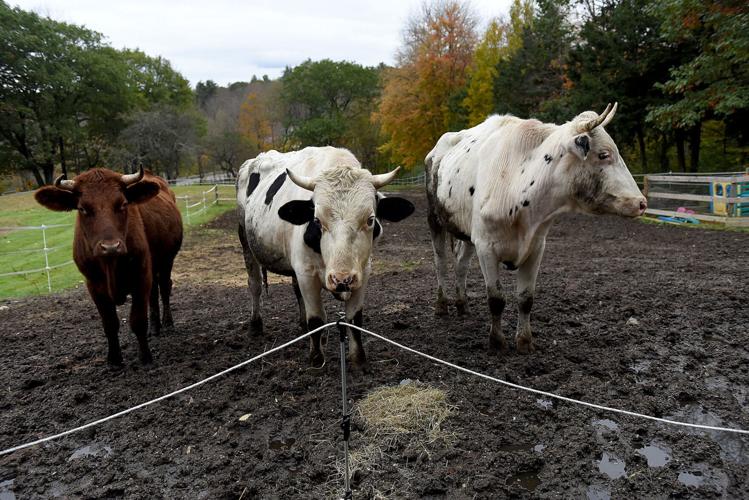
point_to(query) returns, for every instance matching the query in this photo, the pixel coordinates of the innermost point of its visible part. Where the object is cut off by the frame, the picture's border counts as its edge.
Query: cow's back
(162, 223)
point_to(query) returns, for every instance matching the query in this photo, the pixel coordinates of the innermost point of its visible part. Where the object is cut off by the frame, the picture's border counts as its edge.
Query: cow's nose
(110, 247)
(342, 282)
(643, 205)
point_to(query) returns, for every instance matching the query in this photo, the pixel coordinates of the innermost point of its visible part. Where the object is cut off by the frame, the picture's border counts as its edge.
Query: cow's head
(342, 219)
(598, 178)
(102, 198)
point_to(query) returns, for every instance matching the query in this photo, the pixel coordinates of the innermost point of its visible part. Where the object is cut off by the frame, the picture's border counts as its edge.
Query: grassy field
(22, 250)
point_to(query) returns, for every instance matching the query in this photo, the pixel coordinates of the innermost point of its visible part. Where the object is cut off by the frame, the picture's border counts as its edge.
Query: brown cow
(127, 234)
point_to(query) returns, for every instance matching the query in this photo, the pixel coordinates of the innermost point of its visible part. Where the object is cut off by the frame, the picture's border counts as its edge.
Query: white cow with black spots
(498, 186)
(318, 227)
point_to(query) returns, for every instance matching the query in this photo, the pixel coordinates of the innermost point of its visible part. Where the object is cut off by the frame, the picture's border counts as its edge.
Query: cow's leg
(165, 288)
(310, 287)
(442, 254)
(490, 269)
(354, 316)
(526, 285)
(300, 301)
(254, 282)
(139, 323)
(154, 322)
(111, 323)
(464, 255)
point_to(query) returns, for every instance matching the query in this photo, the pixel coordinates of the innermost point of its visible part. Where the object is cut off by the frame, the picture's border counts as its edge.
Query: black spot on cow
(312, 236)
(450, 193)
(496, 305)
(526, 203)
(358, 318)
(468, 150)
(532, 182)
(511, 210)
(547, 158)
(253, 182)
(273, 189)
(471, 190)
(509, 265)
(473, 141)
(525, 302)
(461, 235)
(522, 171)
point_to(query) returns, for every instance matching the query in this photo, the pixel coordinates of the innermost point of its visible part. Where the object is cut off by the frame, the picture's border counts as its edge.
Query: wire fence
(191, 209)
(44, 250)
(346, 416)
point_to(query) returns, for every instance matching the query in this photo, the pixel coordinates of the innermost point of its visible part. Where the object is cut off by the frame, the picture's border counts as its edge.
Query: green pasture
(22, 250)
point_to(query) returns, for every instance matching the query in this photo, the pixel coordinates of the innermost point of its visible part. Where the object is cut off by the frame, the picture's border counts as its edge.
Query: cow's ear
(59, 200)
(394, 209)
(582, 146)
(142, 191)
(297, 212)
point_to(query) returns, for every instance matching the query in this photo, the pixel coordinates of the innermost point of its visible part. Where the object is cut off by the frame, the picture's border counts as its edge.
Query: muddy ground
(685, 358)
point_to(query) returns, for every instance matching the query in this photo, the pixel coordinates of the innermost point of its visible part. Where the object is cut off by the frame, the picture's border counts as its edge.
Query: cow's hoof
(524, 345)
(497, 343)
(256, 326)
(316, 360)
(440, 308)
(115, 361)
(461, 306)
(360, 365)
(146, 359)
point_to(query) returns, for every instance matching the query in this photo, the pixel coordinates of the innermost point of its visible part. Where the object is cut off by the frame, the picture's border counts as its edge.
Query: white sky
(227, 41)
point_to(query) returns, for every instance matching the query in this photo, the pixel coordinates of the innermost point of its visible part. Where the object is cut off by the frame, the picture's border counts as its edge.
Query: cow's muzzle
(110, 248)
(342, 282)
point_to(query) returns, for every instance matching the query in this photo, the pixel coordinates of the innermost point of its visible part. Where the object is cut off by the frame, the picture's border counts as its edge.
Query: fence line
(45, 250)
(394, 343)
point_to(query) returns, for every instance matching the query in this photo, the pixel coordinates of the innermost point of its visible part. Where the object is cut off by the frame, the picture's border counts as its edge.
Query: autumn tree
(420, 94)
(479, 100)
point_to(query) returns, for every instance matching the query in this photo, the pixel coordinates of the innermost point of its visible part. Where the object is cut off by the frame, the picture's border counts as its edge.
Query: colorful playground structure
(718, 198)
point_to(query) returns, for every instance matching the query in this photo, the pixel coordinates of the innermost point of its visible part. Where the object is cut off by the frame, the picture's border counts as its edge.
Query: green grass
(22, 250)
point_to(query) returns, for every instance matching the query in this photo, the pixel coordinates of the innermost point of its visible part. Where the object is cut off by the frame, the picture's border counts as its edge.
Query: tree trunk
(63, 166)
(37, 174)
(680, 150)
(643, 152)
(695, 136)
(665, 163)
(48, 169)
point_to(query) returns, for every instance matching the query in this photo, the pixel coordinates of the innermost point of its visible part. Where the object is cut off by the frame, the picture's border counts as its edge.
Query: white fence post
(187, 209)
(46, 258)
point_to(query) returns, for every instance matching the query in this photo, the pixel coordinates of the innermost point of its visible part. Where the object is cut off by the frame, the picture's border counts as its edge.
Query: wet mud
(649, 318)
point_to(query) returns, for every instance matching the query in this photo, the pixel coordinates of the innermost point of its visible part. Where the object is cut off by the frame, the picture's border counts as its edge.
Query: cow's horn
(62, 183)
(381, 180)
(601, 119)
(302, 181)
(128, 179)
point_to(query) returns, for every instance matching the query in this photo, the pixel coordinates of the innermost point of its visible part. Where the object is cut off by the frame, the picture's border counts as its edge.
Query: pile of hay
(398, 415)
(394, 419)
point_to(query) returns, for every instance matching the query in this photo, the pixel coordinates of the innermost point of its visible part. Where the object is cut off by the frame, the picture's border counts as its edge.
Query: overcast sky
(228, 41)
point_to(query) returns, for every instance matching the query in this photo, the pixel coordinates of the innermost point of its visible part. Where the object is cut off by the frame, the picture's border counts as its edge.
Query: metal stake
(346, 421)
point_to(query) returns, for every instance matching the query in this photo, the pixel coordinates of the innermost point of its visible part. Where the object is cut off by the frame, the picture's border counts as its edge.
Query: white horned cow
(319, 229)
(498, 186)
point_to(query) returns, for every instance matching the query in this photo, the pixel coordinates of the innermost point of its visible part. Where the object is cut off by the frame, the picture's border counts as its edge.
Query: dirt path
(685, 358)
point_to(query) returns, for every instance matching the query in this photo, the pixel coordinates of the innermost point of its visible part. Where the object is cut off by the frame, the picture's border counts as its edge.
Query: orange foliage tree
(422, 95)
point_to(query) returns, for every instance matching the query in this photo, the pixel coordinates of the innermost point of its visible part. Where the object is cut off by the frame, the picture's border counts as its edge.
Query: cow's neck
(534, 207)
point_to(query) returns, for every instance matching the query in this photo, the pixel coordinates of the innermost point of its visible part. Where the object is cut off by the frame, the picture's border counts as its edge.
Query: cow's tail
(265, 280)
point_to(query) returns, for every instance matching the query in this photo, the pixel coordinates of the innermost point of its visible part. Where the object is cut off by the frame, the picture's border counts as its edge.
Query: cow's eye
(123, 207)
(371, 221)
(316, 221)
(83, 211)
(603, 155)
